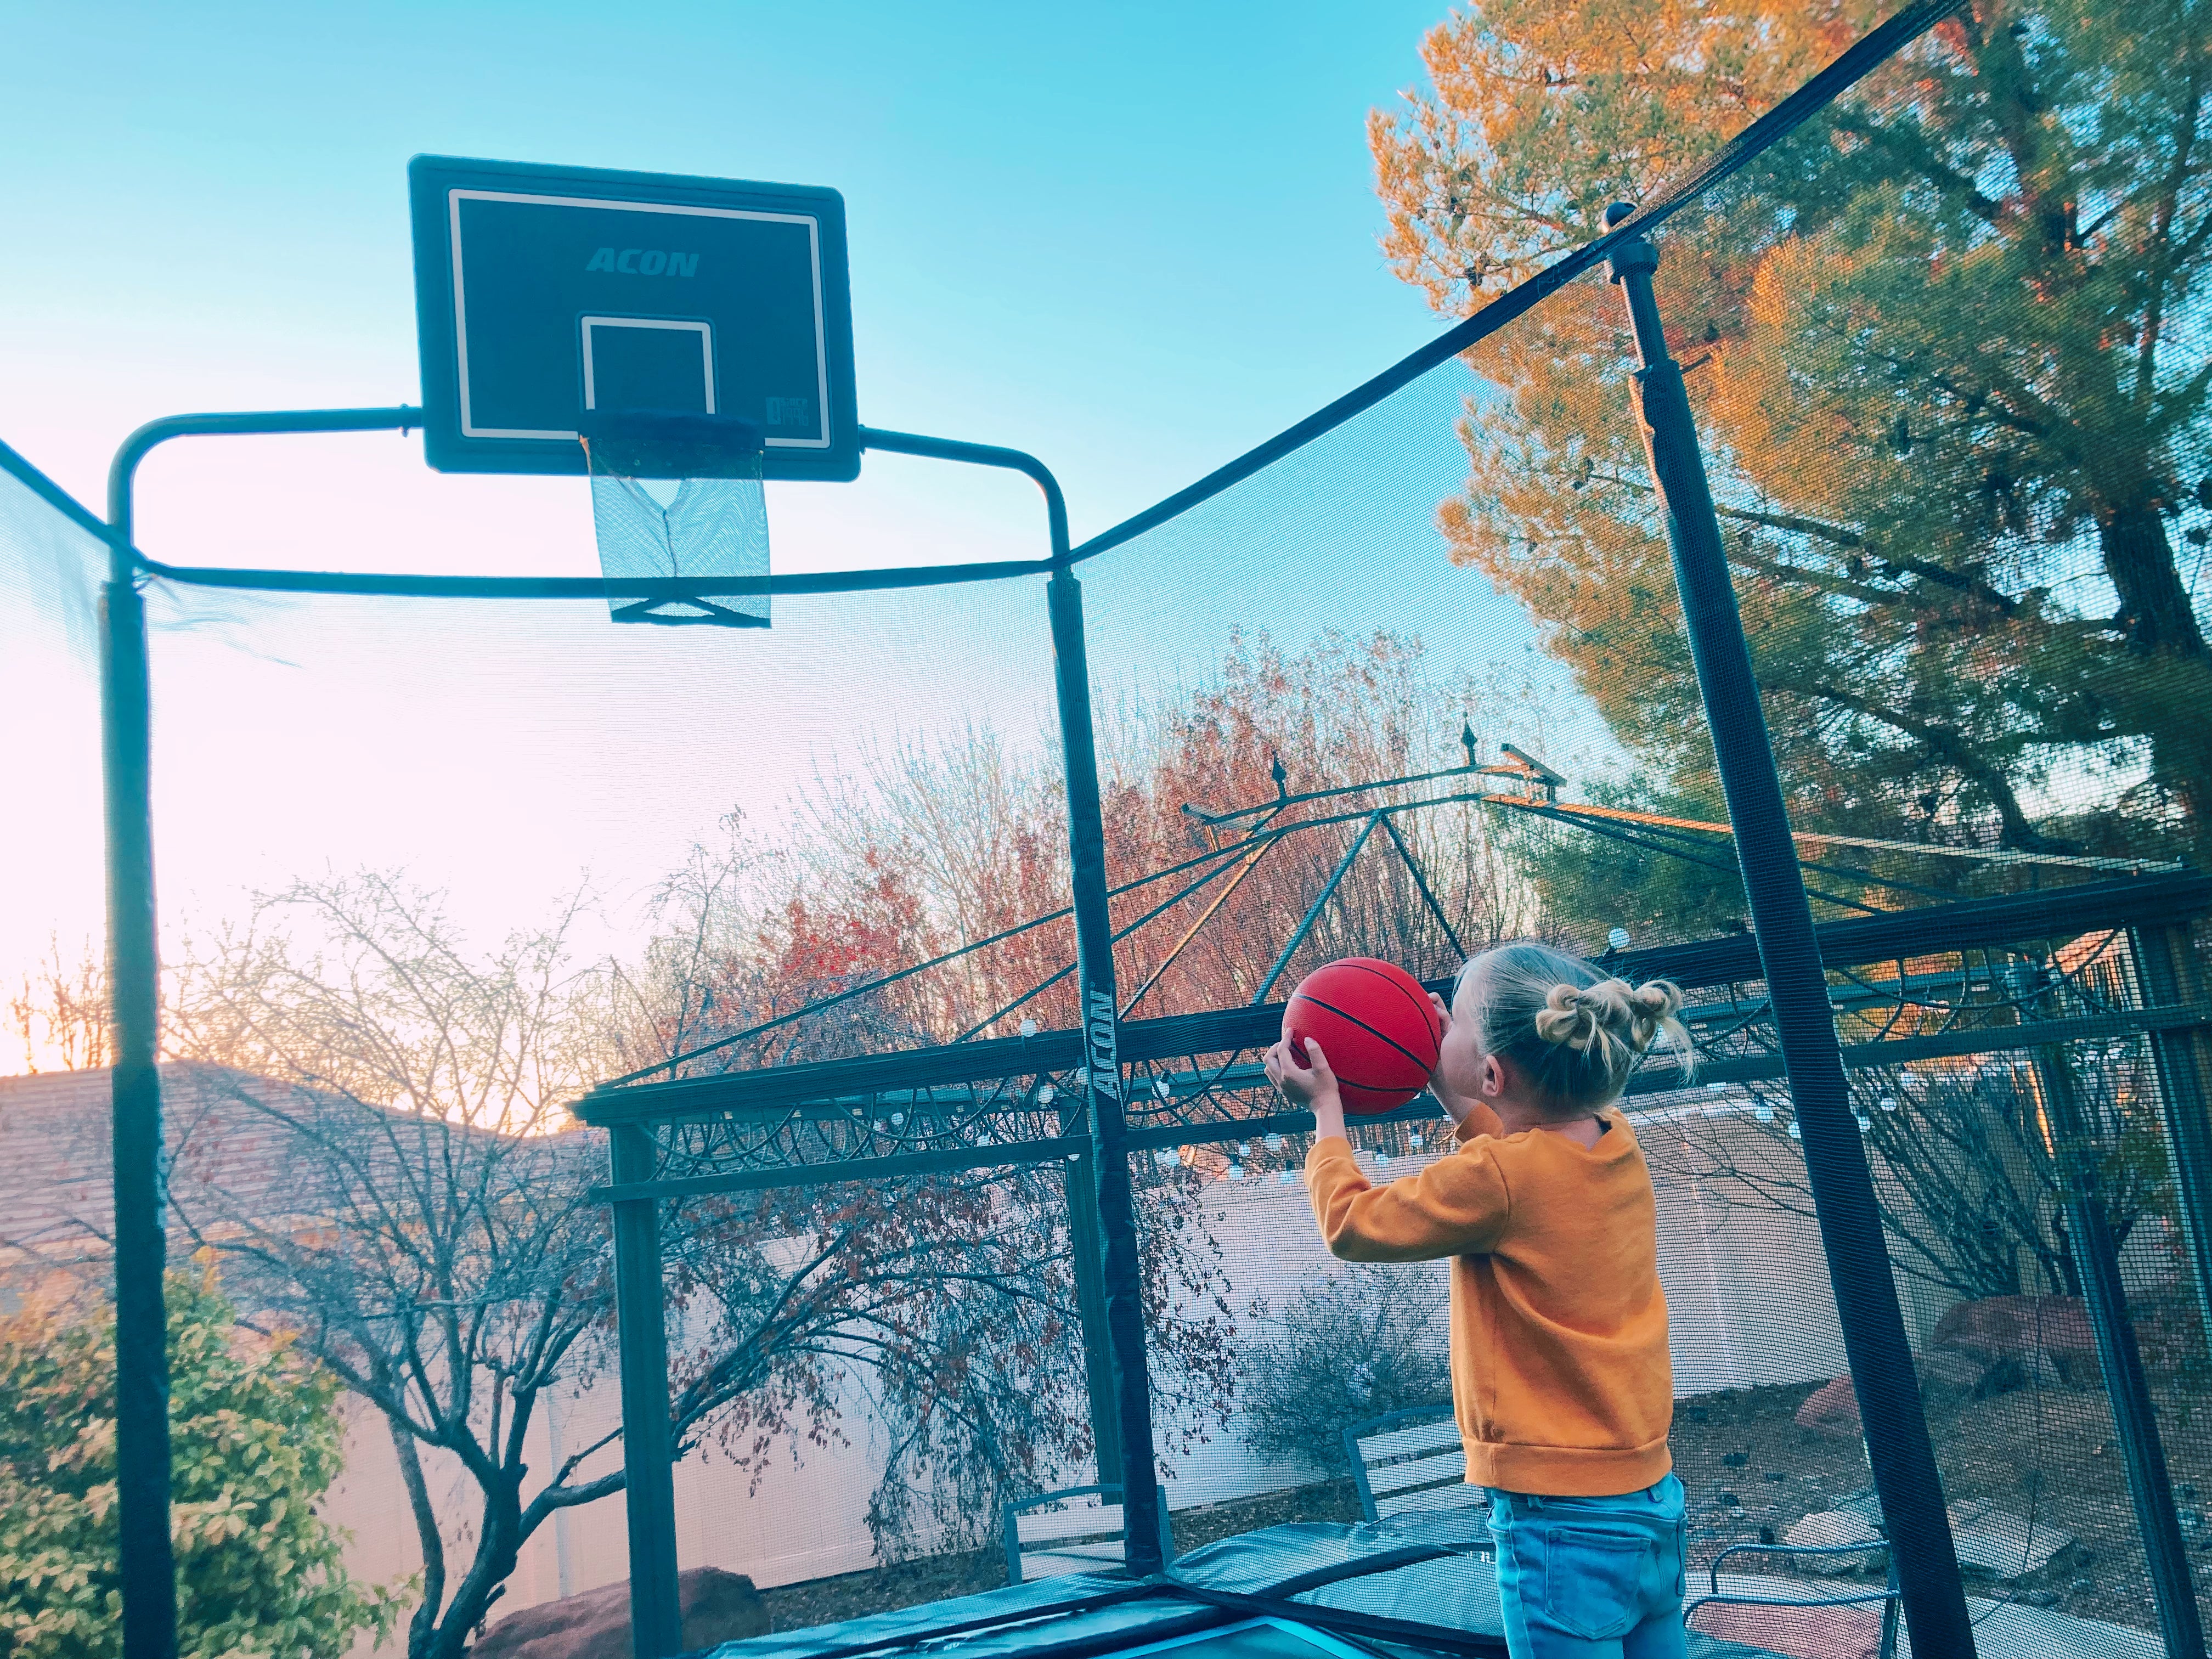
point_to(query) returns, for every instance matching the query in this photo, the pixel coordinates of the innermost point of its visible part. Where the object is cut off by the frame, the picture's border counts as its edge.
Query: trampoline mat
(1413, 1573)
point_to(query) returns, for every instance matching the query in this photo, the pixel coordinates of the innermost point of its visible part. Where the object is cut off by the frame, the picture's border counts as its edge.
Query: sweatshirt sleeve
(1456, 1206)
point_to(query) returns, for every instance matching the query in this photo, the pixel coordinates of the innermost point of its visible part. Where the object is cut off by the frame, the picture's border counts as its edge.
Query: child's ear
(1493, 1081)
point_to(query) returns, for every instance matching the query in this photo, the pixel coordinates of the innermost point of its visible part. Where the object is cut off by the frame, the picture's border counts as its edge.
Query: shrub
(1353, 1346)
(256, 1440)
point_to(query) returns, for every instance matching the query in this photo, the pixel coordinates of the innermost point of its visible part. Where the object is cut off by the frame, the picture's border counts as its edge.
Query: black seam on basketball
(1426, 1066)
(1371, 1087)
(1420, 1002)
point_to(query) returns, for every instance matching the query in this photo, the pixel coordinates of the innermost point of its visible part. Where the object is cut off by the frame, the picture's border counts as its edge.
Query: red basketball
(1374, 1023)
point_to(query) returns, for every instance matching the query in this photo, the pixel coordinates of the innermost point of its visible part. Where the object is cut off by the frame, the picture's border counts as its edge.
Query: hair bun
(1569, 1017)
(1655, 1004)
(1574, 1033)
(1577, 1016)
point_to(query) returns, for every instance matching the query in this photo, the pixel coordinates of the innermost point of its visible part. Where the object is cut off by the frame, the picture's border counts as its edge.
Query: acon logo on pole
(1098, 1034)
(644, 262)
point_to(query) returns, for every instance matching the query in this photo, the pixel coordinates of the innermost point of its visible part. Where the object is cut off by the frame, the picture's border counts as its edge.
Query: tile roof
(231, 1139)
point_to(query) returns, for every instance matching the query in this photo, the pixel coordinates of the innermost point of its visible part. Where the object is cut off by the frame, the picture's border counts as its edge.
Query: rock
(1833, 1408)
(1947, 1371)
(1863, 1505)
(717, 1606)
(2001, 1328)
(1829, 1529)
(2002, 1544)
(2031, 1369)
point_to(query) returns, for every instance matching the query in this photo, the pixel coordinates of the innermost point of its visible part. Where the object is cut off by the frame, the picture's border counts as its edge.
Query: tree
(1945, 346)
(431, 1243)
(1974, 1158)
(58, 1011)
(434, 1240)
(1969, 1179)
(1355, 1346)
(257, 1440)
(910, 851)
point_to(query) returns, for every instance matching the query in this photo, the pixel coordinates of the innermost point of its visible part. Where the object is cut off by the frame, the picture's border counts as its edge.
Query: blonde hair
(1574, 1033)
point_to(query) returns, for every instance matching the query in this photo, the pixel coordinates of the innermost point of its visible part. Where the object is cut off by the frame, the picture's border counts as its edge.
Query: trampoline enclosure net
(1416, 687)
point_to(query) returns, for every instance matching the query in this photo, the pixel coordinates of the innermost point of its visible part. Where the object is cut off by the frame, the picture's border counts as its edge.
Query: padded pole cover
(1882, 1373)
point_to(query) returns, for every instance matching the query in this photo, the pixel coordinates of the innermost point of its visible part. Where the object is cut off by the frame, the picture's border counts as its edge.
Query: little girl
(1560, 1378)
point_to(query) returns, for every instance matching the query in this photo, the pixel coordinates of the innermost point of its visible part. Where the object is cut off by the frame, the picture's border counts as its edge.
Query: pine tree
(1946, 347)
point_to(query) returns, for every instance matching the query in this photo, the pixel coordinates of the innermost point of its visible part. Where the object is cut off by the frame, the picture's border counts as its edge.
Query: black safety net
(614, 1050)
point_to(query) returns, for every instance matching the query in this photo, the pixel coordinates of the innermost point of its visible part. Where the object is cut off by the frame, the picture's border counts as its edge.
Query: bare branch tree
(419, 1213)
(1968, 1169)
(58, 1013)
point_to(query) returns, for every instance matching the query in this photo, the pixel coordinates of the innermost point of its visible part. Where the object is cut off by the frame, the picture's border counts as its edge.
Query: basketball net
(679, 496)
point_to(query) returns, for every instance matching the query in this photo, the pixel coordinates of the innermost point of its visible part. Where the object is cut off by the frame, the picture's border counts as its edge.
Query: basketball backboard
(544, 295)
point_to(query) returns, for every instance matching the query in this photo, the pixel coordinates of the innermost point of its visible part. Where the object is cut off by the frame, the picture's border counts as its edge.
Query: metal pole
(2135, 1420)
(1251, 862)
(1086, 1240)
(2105, 1299)
(2168, 976)
(1145, 1549)
(145, 1561)
(641, 1339)
(1313, 911)
(1089, 1239)
(1420, 881)
(1882, 1373)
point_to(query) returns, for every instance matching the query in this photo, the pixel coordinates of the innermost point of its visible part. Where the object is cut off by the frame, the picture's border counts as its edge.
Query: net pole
(145, 1561)
(642, 1349)
(2168, 976)
(1091, 1241)
(1144, 1547)
(2096, 1255)
(1882, 1372)
(1086, 1244)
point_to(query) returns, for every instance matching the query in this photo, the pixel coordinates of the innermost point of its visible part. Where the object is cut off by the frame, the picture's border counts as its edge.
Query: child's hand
(1314, 1085)
(1455, 1108)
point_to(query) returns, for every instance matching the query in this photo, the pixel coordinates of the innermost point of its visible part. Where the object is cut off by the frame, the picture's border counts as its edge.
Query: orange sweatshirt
(1560, 1378)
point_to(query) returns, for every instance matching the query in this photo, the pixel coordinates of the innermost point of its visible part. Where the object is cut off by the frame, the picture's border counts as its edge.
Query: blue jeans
(1591, 1577)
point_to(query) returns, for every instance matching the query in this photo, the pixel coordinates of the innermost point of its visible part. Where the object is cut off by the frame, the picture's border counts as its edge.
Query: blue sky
(1135, 239)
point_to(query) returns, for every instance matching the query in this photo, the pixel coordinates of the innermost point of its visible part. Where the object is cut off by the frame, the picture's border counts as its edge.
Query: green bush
(1370, 1341)
(257, 1441)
